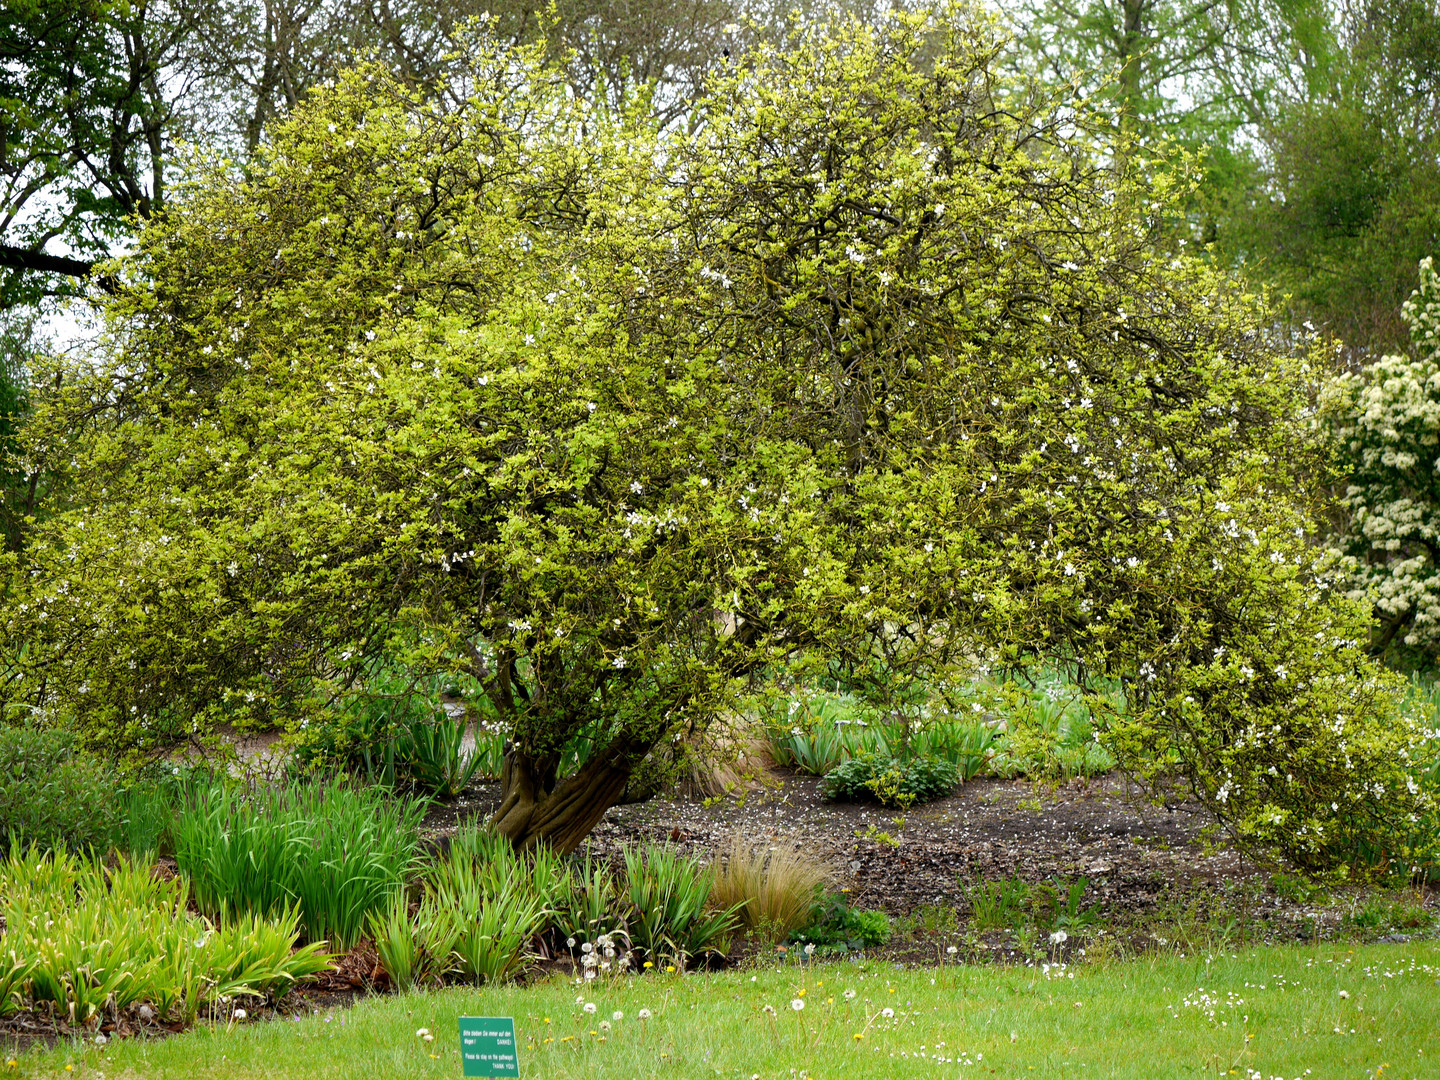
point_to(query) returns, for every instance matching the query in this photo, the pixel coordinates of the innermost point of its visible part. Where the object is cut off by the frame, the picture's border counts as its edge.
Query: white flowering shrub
(1385, 422)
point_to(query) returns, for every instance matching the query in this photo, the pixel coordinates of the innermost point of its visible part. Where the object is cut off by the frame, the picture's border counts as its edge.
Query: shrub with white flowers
(1385, 421)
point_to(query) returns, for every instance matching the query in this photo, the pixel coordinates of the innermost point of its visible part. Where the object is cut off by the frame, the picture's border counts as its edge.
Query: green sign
(487, 1046)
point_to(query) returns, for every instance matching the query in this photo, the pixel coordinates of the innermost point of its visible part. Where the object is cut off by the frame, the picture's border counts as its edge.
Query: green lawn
(1328, 1012)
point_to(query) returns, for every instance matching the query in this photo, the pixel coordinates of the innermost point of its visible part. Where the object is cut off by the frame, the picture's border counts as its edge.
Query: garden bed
(1147, 869)
(1138, 878)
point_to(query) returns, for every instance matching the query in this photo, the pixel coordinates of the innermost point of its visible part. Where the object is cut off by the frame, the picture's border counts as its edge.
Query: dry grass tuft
(727, 772)
(780, 887)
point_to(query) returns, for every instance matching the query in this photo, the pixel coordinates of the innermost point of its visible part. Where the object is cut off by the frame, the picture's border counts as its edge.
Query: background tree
(1316, 125)
(891, 377)
(96, 93)
(1151, 58)
(84, 111)
(1342, 205)
(19, 487)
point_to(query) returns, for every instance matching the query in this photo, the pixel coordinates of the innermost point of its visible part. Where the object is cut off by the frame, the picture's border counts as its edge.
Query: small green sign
(487, 1046)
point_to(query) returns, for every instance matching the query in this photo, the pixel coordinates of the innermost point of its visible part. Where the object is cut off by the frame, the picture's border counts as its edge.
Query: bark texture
(536, 807)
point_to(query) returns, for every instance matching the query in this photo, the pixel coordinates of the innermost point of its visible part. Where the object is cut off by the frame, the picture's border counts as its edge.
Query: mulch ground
(1145, 865)
(1151, 881)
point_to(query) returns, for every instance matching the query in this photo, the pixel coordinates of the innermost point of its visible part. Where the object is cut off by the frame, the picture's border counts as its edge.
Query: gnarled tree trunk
(537, 808)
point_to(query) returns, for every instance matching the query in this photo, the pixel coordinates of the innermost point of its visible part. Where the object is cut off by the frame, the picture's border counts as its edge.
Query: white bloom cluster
(1386, 422)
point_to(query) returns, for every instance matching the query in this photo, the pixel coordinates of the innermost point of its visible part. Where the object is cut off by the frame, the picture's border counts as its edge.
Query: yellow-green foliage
(880, 369)
(86, 940)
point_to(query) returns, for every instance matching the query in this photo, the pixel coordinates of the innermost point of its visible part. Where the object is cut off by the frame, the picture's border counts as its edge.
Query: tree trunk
(562, 816)
(1132, 44)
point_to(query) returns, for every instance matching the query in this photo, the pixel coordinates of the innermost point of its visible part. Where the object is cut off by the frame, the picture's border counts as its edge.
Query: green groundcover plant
(860, 365)
(891, 781)
(837, 927)
(88, 941)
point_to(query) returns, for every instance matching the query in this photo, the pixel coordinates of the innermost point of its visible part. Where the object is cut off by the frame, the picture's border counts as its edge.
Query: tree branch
(39, 262)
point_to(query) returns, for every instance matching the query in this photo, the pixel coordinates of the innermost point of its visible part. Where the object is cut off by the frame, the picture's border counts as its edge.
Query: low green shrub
(838, 927)
(52, 795)
(336, 851)
(85, 941)
(891, 781)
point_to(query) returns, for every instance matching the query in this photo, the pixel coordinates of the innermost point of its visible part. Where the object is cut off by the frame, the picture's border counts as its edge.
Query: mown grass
(1267, 1012)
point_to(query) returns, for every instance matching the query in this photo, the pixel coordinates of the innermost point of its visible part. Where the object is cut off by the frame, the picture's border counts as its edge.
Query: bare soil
(1146, 866)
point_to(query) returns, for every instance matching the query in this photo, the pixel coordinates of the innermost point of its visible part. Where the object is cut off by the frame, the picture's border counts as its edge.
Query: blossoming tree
(868, 364)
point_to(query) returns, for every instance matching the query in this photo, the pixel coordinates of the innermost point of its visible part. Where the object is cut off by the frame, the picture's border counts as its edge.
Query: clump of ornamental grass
(670, 914)
(480, 909)
(773, 890)
(334, 852)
